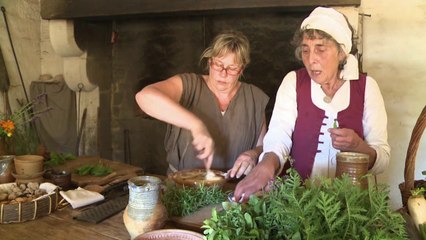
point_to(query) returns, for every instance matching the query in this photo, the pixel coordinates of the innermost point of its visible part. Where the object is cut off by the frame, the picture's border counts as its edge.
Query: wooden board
(195, 220)
(118, 168)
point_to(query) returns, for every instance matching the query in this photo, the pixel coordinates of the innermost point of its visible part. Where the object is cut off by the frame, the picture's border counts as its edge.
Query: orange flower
(8, 127)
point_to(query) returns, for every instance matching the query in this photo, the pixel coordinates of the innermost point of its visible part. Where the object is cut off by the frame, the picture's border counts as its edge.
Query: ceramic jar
(144, 212)
(355, 165)
(6, 168)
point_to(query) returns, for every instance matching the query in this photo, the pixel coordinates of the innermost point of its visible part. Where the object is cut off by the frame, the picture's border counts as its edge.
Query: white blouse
(281, 127)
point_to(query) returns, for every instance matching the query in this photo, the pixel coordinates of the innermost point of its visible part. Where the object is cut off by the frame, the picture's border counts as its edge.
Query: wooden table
(61, 225)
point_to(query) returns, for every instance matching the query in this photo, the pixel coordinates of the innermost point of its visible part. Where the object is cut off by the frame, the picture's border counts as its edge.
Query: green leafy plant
(182, 201)
(316, 209)
(17, 129)
(94, 170)
(56, 159)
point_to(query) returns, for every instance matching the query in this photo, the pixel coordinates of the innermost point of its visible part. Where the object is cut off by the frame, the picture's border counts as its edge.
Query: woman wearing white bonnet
(322, 109)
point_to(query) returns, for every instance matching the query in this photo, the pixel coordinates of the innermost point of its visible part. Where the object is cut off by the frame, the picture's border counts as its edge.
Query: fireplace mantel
(72, 9)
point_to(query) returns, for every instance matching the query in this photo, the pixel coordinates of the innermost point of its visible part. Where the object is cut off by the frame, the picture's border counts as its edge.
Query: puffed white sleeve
(375, 125)
(281, 126)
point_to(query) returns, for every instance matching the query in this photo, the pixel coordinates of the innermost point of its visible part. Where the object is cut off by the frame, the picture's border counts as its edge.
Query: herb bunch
(319, 209)
(57, 158)
(182, 201)
(98, 170)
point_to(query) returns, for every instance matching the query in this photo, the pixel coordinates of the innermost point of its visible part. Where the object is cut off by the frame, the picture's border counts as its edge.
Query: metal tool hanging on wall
(4, 85)
(3, 9)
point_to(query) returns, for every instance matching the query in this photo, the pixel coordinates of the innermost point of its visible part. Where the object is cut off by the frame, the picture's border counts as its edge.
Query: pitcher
(145, 211)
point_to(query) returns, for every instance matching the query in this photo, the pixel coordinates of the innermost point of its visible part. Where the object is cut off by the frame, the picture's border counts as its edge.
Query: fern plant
(316, 209)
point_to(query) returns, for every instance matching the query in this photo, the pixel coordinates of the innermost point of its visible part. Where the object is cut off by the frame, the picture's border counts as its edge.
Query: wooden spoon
(108, 178)
(101, 188)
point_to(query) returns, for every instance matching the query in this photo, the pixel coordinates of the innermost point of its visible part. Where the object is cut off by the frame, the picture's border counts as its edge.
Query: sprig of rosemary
(182, 201)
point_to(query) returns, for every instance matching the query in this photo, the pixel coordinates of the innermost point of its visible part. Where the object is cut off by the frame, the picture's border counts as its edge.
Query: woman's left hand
(244, 164)
(344, 139)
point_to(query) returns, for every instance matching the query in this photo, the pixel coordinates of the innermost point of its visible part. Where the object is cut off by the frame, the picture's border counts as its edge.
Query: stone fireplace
(129, 44)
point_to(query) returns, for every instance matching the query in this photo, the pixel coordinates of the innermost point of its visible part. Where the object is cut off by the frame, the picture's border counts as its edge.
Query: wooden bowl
(197, 177)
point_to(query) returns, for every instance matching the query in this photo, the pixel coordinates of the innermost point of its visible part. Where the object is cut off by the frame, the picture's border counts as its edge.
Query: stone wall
(153, 49)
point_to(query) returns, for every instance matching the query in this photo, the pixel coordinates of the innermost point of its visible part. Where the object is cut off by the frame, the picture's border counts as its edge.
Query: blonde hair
(228, 42)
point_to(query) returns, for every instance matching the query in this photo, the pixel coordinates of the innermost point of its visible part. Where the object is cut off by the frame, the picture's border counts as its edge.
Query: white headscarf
(334, 23)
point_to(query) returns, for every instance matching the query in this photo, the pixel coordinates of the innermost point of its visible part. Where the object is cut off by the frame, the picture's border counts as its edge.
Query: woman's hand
(244, 164)
(347, 140)
(203, 143)
(258, 179)
(344, 139)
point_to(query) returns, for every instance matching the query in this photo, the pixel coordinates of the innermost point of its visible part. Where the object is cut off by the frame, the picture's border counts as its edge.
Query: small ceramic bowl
(167, 234)
(232, 199)
(59, 178)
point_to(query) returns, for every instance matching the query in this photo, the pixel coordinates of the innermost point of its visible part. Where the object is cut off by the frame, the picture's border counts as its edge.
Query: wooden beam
(69, 9)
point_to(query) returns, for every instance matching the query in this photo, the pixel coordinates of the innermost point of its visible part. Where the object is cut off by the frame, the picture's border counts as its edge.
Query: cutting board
(118, 169)
(195, 220)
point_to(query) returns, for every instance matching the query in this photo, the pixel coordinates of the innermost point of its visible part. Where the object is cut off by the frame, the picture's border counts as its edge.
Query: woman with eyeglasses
(214, 121)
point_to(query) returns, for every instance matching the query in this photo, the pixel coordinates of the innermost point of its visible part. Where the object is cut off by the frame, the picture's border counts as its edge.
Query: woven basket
(22, 212)
(409, 182)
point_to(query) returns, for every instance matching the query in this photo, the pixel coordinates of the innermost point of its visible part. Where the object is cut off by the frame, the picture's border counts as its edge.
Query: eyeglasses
(230, 70)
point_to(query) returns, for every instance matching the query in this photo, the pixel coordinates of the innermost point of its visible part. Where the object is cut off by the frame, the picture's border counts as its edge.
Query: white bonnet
(334, 23)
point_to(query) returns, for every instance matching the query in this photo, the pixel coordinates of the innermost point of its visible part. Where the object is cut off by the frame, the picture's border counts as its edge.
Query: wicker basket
(21, 212)
(410, 163)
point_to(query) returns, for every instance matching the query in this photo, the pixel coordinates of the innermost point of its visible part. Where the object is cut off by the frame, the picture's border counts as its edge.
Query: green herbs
(238, 221)
(182, 201)
(326, 209)
(94, 170)
(335, 124)
(56, 159)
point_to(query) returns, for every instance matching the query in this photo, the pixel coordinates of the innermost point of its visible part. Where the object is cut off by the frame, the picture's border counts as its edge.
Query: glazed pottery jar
(355, 165)
(144, 212)
(6, 168)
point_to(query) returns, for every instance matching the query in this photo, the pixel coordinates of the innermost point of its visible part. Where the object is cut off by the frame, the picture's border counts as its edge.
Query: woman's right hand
(203, 143)
(258, 179)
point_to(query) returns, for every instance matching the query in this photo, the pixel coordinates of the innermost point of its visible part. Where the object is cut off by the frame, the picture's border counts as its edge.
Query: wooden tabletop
(61, 225)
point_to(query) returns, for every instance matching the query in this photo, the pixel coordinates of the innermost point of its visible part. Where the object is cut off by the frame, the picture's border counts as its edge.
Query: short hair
(229, 42)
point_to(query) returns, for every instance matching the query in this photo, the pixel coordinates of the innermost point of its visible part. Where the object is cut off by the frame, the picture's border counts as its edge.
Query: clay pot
(28, 164)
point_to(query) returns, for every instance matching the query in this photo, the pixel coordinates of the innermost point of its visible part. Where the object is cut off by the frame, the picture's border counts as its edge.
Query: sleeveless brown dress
(233, 133)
